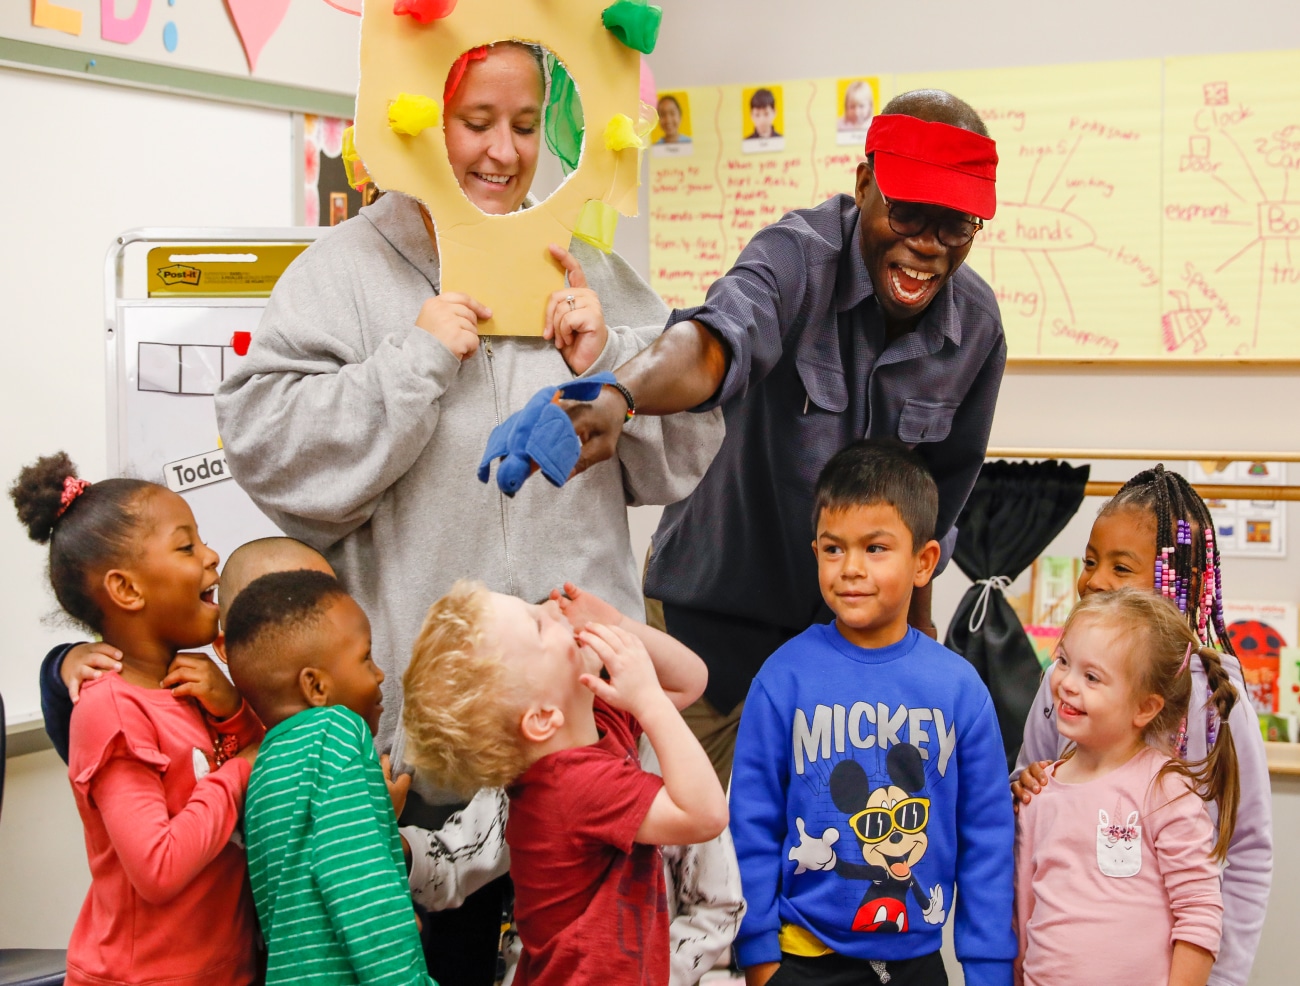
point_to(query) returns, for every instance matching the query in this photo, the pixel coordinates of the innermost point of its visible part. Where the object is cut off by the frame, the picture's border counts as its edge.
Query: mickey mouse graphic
(890, 824)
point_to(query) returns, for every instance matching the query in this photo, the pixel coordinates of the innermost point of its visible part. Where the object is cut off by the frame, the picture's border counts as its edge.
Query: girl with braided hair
(1118, 847)
(1186, 567)
(1156, 535)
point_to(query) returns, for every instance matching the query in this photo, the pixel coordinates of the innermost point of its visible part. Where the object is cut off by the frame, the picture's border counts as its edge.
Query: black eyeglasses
(912, 219)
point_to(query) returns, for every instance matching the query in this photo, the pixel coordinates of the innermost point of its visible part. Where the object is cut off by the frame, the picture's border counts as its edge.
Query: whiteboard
(168, 358)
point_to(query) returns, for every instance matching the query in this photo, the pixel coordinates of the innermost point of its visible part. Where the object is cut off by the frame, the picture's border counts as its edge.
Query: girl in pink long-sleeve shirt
(1117, 862)
(160, 752)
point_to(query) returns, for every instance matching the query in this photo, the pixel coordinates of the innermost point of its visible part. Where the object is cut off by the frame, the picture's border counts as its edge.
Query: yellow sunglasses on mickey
(877, 824)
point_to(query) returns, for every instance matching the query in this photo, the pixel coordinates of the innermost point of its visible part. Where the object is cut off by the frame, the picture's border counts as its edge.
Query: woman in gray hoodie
(360, 415)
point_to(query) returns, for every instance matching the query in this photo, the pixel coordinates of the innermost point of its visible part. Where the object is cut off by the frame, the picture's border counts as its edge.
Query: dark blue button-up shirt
(810, 372)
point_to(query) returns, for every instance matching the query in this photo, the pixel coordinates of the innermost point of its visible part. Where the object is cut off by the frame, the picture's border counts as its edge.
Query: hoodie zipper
(501, 497)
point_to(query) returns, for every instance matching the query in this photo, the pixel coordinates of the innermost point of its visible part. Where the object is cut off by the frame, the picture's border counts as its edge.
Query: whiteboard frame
(114, 287)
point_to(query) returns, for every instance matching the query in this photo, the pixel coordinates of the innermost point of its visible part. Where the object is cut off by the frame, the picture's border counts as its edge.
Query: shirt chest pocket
(924, 421)
(1119, 846)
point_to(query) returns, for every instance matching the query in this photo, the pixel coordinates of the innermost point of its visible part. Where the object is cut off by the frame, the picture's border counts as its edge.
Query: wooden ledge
(1283, 758)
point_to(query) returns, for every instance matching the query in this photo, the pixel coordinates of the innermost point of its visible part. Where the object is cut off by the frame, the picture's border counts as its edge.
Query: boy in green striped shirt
(324, 855)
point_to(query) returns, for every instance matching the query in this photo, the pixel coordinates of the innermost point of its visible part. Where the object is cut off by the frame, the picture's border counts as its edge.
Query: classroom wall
(98, 160)
(87, 162)
(314, 46)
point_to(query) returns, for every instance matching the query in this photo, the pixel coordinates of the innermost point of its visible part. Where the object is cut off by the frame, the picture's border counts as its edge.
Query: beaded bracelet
(627, 396)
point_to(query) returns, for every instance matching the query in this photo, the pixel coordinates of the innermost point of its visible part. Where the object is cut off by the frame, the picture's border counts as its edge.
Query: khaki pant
(716, 732)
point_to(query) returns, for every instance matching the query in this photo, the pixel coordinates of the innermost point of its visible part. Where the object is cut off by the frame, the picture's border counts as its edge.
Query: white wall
(85, 162)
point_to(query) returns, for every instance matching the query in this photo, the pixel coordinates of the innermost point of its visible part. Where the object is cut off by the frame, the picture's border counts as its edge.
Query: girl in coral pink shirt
(1117, 862)
(160, 752)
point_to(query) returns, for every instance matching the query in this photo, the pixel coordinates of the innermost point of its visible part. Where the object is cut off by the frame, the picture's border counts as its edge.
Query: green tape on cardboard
(634, 22)
(564, 122)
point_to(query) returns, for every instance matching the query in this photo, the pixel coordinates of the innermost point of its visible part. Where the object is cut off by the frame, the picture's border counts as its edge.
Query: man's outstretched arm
(680, 370)
(717, 351)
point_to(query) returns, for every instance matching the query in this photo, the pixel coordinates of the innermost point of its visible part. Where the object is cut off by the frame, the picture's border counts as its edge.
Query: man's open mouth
(910, 285)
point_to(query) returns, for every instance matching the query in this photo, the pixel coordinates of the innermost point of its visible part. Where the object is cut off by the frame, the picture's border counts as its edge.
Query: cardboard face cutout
(502, 261)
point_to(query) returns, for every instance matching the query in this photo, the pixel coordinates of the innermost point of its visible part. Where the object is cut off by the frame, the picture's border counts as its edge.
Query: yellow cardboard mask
(502, 261)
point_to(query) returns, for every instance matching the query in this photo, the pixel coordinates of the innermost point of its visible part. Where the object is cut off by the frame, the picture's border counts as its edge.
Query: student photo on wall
(763, 121)
(671, 136)
(856, 105)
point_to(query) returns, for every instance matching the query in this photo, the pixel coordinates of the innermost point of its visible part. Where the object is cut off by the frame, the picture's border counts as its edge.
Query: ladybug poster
(1258, 632)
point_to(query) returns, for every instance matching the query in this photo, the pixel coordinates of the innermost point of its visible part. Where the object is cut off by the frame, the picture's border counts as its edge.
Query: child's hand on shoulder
(1030, 782)
(86, 662)
(249, 752)
(581, 608)
(196, 676)
(397, 789)
(633, 685)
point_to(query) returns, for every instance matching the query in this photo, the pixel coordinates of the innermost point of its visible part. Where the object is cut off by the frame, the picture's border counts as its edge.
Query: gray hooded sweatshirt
(360, 434)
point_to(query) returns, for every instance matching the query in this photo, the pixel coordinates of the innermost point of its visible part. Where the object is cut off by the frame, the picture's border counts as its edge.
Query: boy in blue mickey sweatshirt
(869, 772)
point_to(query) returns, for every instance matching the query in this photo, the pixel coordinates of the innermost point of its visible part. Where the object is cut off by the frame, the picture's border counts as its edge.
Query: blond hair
(459, 711)
(1159, 641)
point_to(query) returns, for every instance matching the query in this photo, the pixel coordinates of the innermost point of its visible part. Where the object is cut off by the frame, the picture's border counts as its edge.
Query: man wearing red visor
(851, 319)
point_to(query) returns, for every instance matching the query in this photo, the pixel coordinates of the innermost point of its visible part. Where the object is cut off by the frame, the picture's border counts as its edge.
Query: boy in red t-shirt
(501, 693)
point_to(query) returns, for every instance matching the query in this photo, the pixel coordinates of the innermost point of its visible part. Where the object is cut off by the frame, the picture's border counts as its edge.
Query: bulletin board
(1145, 208)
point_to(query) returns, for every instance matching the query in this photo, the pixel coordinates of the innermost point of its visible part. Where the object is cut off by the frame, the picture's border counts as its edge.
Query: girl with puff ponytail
(160, 751)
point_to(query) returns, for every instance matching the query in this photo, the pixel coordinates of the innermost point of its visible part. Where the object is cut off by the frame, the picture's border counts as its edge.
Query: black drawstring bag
(1012, 515)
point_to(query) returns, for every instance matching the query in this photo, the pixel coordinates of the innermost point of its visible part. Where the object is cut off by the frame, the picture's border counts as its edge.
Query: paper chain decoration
(408, 48)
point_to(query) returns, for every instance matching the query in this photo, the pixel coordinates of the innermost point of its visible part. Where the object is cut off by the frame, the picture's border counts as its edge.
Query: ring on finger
(573, 304)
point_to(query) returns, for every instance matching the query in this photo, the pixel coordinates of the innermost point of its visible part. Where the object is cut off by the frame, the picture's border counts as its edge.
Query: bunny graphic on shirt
(1119, 847)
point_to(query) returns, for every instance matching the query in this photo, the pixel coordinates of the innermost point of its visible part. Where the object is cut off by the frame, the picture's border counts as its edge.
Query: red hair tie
(72, 488)
(458, 72)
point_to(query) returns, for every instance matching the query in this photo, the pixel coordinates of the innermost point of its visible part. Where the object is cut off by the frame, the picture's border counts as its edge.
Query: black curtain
(1014, 512)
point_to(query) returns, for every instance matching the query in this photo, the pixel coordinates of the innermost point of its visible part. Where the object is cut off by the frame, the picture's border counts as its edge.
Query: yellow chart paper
(709, 196)
(1073, 253)
(1146, 209)
(1232, 205)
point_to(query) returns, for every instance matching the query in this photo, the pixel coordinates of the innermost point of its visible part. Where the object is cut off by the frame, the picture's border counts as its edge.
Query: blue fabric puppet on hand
(539, 434)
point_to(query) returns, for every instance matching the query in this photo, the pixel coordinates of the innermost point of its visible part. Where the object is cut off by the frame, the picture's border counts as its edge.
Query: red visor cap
(934, 163)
